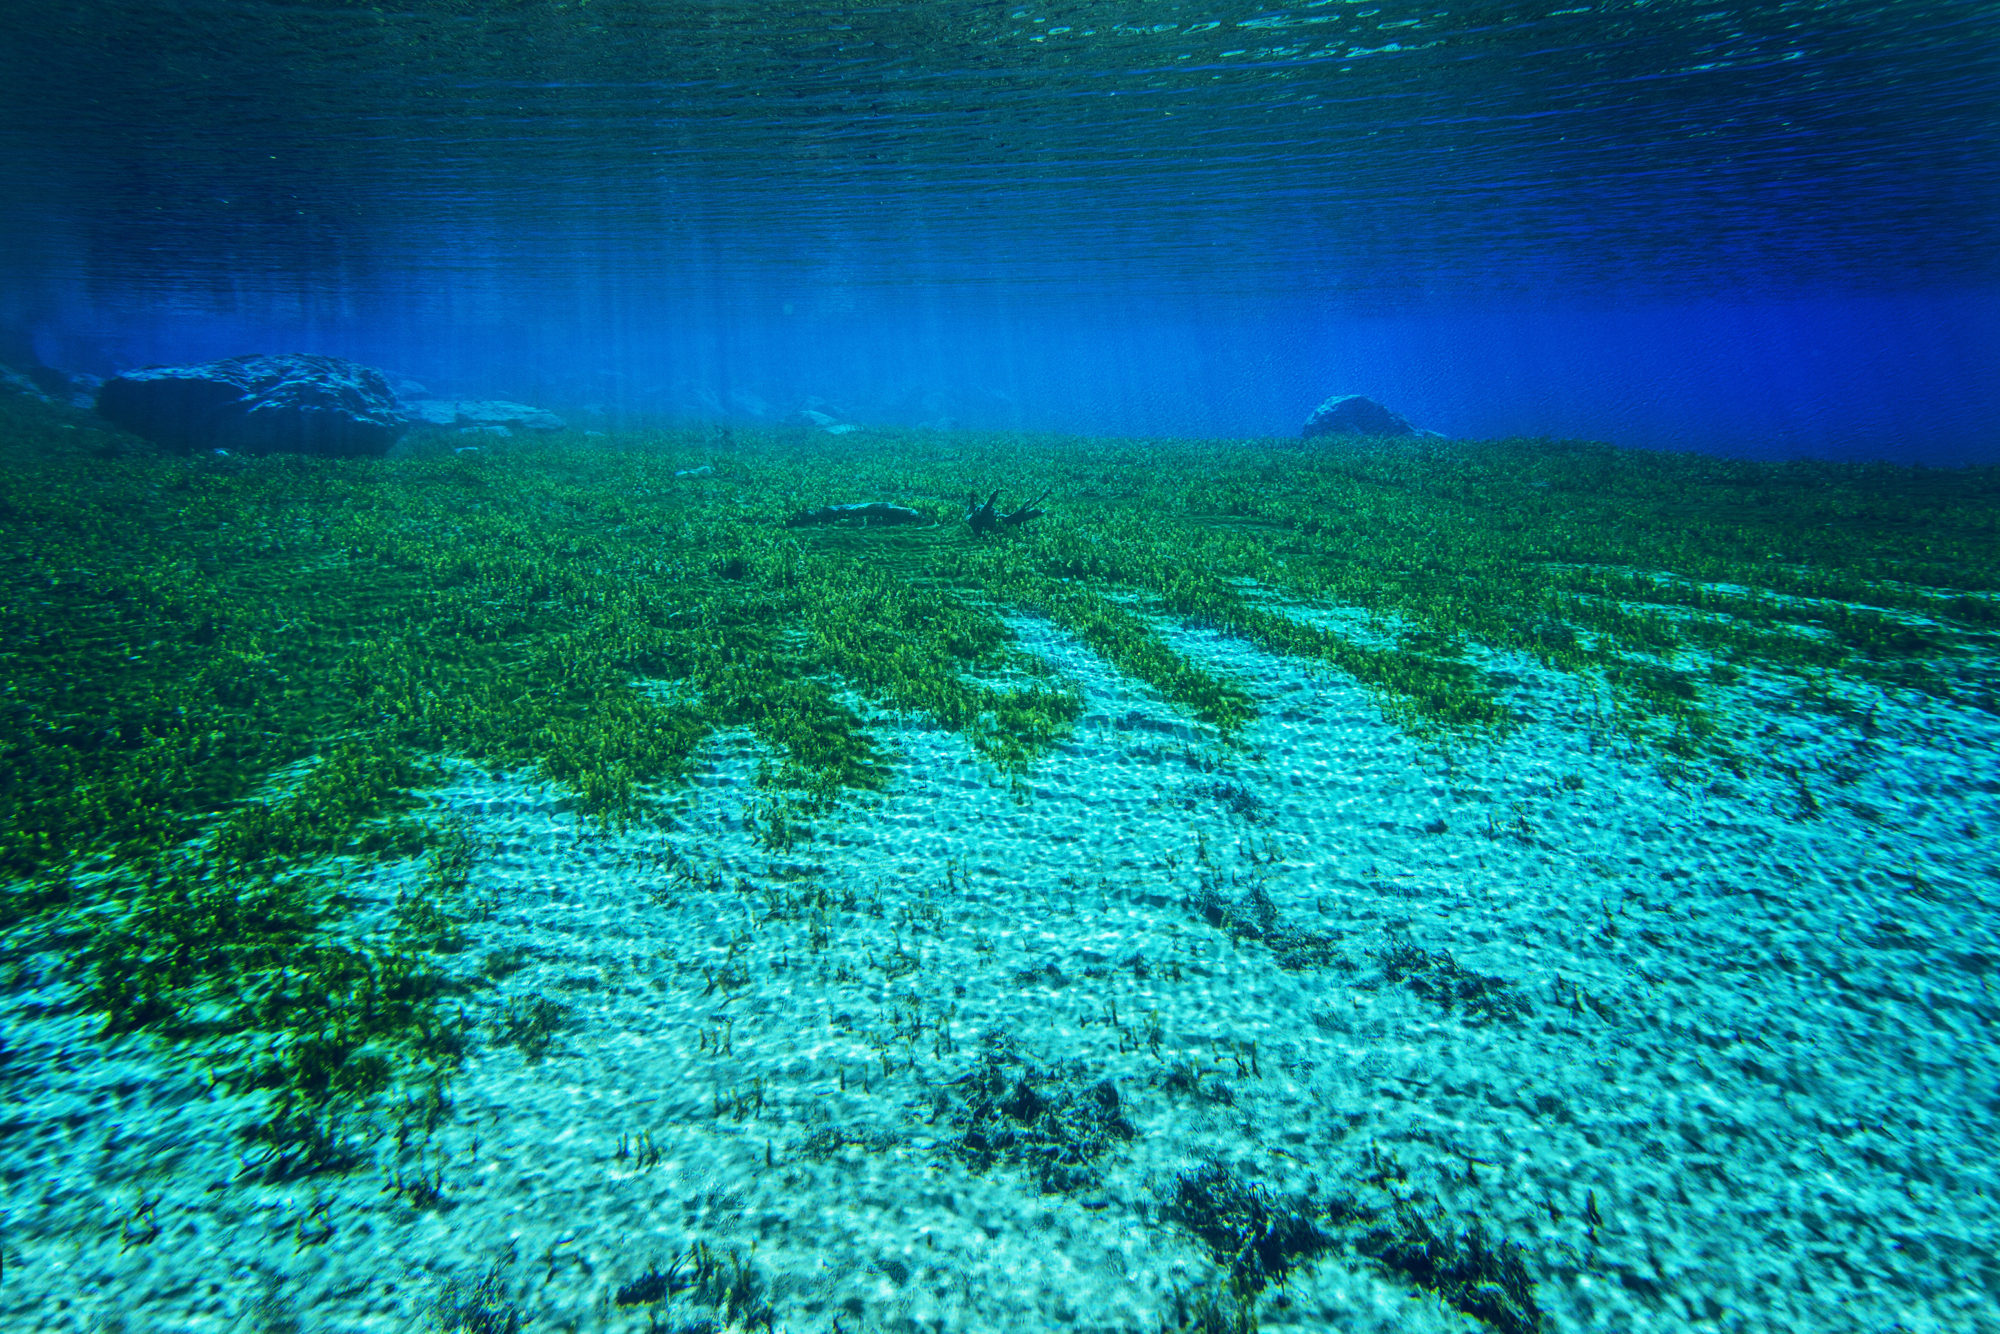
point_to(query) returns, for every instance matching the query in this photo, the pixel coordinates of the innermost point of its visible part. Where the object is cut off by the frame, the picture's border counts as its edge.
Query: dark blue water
(1765, 229)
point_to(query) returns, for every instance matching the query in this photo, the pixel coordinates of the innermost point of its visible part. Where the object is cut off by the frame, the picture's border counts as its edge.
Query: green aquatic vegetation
(481, 1307)
(1583, 556)
(1486, 1279)
(728, 1283)
(917, 650)
(231, 683)
(1443, 981)
(1134, 648)
(1049, 1120)
(1253, 916)
(533, 1024)
(1256, 1237)
(234, 948)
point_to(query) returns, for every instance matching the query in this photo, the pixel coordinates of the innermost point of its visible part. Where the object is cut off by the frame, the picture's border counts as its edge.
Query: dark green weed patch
(1054, 1122)
(1444, 982)
(1253, 916)
(1256, 1237)
(1485, 1278)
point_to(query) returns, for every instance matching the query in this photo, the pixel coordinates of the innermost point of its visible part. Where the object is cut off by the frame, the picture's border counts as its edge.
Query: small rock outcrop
(484, 416)
(288, 403)
(48, 385)
(1354, 414)
(826, 421)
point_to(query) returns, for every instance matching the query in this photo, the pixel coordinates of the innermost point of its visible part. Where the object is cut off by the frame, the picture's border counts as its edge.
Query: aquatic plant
(532, 1025)
(1469, 1270)
(1053, 1121)
(728, 1283)
(481, 1307)
(1444, 982)
(231, 682)
(1253, 916)
(1256, 1237)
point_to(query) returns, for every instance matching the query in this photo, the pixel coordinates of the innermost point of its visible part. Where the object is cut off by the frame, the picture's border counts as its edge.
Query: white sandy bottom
(1769, 1060)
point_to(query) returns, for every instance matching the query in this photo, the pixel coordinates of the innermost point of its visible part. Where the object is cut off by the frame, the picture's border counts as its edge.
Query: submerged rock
(1355, 414)
(490, 415)
(826, 421)
(15, 382)
(46, 384)
(288, 403)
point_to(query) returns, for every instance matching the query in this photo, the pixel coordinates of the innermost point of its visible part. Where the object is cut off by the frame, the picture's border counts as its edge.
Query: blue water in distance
(1763, 229)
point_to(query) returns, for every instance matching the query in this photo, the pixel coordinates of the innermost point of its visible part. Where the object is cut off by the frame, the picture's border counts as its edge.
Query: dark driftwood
(985, 518)
(874, 512)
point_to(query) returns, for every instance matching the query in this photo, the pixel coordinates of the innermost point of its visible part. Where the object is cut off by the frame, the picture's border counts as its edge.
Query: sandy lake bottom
(1691, 1053)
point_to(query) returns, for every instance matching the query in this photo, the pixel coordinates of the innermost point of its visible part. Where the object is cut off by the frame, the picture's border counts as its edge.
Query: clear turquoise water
(1666, 224)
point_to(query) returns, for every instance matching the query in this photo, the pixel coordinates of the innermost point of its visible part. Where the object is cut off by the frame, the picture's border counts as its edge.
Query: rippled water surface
(1760, 228)
(1378, 145)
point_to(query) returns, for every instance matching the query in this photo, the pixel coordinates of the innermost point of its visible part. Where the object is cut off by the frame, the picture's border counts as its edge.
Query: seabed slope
(1074, 946)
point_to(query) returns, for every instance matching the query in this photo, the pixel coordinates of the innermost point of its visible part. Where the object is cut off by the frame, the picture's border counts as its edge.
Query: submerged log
(873, 512)
(986, 518)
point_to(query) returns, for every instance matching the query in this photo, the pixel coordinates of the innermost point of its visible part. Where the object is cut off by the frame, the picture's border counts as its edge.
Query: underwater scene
(1127, 666)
